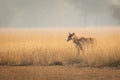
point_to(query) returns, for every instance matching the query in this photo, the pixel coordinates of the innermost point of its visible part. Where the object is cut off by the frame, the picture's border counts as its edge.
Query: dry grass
(49, 47)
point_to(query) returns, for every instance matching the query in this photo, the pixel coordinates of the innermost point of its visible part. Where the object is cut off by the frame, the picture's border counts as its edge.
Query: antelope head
(70, 36)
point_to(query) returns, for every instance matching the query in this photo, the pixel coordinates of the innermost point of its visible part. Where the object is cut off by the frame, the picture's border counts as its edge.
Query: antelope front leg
(81, 48)
(78, 51)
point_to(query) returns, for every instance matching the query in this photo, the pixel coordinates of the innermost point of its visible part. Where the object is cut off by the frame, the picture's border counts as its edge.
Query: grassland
(48, 46)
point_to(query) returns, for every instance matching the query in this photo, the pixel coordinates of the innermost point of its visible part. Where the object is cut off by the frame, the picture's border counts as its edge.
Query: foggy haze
(55, 13)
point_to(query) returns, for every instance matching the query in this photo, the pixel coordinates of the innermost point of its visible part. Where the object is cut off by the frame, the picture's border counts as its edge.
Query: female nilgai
(79, 42)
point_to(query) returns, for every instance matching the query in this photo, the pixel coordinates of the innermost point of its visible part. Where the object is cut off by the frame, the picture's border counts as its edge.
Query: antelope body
(79, 42)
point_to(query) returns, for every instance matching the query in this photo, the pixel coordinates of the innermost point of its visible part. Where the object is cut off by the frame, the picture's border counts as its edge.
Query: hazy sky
(50, 13)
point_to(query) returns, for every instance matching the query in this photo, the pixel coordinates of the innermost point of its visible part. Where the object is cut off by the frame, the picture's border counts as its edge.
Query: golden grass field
(48, 46)
(44, 54)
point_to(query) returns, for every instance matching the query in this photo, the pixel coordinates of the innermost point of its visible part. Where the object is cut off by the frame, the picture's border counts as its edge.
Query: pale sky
(59, 13)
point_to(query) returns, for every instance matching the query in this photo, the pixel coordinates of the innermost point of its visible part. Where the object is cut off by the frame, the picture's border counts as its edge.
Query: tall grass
(49, 47)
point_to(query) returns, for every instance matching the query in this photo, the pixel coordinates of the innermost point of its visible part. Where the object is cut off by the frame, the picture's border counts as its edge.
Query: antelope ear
(73, 33)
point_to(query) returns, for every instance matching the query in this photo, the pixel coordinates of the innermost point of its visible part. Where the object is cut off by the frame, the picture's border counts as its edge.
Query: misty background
(59, 13)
